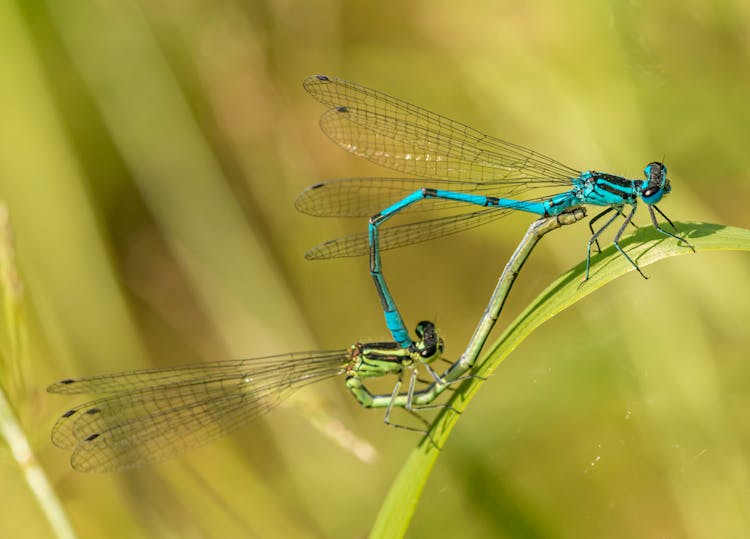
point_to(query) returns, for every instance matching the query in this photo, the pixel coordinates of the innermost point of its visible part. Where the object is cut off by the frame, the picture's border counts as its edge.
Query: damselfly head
(429, 346)
(656, 184)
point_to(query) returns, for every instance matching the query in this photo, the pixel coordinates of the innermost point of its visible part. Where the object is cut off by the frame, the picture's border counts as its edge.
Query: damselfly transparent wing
(364, 197)
(417, 142)
(406, 234)
(444, 153)
(150, 415)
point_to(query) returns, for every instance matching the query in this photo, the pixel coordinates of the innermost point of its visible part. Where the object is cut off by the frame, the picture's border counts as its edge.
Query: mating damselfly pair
(149, 415)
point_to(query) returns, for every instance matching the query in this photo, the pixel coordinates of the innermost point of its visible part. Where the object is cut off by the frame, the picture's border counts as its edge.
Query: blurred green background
(150, 153)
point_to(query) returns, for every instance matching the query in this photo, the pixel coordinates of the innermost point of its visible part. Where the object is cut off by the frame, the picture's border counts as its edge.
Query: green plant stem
(645, 247)
(32, 472)
(12, 356)
(466, 362)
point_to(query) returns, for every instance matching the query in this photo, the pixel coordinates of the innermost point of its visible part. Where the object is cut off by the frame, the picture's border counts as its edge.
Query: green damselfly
(146, 416)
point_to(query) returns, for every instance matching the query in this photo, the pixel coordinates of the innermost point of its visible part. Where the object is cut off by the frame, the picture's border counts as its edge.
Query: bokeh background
(150, 153)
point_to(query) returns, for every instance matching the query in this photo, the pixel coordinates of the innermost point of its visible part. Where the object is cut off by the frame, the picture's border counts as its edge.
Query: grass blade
(646, 246)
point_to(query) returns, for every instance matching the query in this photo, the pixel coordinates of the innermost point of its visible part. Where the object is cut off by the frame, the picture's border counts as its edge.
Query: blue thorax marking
(609, 190)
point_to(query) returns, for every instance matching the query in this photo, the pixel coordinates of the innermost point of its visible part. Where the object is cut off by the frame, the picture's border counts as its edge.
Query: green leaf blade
(646, 246)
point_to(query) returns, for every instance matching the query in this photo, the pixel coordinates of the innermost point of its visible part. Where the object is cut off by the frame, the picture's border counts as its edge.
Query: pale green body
(149, 415)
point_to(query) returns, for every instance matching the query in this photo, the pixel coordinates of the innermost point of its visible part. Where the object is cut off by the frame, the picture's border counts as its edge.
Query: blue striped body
(590, 188)
(457, 167)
